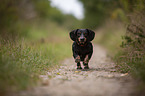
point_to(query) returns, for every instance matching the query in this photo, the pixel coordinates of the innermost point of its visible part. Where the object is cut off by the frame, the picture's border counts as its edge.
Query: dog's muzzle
(82, 40)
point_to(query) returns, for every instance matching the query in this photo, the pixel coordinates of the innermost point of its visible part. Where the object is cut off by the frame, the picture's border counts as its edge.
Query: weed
(132, 58)
(22, 61)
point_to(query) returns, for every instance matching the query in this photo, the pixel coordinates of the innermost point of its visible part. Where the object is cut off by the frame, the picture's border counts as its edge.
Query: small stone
(60, 69)
(124, 74)
(59, 77)
(113, 70)
(45, 82)
(58, 73)
(77, 71)
(110, 76)
(48, 73)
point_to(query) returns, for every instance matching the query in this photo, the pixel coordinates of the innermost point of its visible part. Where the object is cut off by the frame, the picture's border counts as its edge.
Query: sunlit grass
(23, 60)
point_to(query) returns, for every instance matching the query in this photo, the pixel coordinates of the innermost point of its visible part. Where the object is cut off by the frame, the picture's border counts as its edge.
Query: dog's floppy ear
(91, 34)
(73, 34)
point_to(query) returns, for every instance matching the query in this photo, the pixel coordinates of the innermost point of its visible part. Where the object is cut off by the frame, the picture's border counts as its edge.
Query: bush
(132, 59)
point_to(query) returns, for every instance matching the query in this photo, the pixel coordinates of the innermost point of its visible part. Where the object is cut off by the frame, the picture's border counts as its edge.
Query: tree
(97, 11)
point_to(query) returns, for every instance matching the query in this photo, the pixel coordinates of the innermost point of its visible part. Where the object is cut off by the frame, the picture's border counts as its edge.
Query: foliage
(16, 16)
(130, 6)
(29, 32)
(9, 14)
(22, 61)
(110, 36)
(97, 11)
(46, 12)
(132, 56)
(134, 46)
(42, 7)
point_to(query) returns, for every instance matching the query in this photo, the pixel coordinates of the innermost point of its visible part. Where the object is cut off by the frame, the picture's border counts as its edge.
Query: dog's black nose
(82, 39)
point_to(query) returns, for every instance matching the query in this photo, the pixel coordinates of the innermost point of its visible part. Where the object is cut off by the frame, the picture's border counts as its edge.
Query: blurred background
(33, 34)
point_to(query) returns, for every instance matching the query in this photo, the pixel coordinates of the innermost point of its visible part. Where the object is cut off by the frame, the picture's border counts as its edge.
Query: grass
(126, 47)
(109, 36)
(23, 60)
(132, 60)
(132, 57)
(126, 50)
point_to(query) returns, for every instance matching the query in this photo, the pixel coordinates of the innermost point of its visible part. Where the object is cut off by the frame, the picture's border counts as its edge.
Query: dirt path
(100, 80)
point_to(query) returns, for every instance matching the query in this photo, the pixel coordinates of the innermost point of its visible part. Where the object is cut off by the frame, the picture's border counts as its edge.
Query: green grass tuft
(23, 60)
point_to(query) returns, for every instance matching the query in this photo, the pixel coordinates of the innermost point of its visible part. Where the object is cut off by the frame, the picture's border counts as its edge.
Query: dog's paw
(86, 67)
(77, 59)
(79, 67)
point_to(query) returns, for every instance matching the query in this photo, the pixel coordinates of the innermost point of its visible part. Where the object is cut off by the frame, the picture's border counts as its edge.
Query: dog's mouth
(82, 41)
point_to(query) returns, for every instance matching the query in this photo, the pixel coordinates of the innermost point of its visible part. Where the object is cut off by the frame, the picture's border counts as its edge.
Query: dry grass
(132, 58)
(23, 60)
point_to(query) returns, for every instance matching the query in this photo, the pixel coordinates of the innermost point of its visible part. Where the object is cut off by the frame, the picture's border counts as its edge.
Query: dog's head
(82, 36)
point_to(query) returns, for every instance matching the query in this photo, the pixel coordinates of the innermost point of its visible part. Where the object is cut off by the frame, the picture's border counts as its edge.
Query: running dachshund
(82, 47)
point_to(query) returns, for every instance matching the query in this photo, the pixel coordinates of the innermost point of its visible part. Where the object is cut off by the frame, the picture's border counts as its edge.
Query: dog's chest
(83, 50)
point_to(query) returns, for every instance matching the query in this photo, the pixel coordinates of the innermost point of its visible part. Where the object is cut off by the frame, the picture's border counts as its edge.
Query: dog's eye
(79, 34)
(85, 34)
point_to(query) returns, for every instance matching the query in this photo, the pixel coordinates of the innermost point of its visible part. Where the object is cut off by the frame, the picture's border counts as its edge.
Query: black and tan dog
(82, 47)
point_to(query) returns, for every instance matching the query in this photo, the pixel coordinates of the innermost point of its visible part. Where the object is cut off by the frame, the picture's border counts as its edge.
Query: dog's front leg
(77, 60)
(79, 65)
(86, 60)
